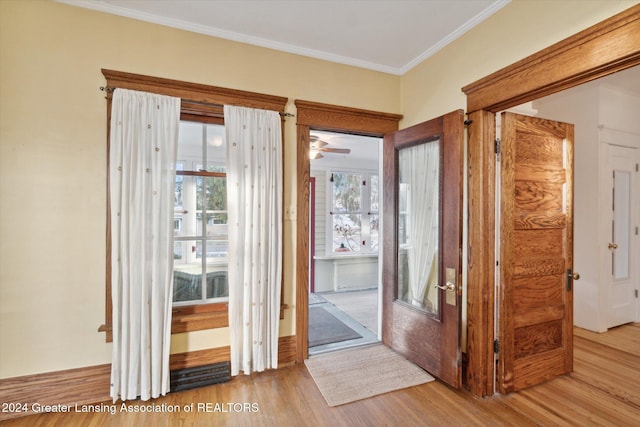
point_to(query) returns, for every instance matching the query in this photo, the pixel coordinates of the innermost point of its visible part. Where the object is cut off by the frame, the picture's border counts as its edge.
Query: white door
(622, 245)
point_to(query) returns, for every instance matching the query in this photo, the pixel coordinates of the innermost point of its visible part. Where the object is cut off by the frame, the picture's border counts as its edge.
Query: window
(200, 233)
(354, 212)
(200, 246)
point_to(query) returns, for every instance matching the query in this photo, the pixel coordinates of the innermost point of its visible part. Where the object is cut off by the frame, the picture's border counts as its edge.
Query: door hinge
(637, 166)
(496, 146)
(496, 346)
(636, 292)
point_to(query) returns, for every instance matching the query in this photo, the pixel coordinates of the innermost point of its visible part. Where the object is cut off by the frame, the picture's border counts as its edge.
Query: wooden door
(422, 246)
(536, 252)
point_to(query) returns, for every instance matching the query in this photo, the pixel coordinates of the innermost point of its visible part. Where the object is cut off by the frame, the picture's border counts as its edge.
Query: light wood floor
(603, 390)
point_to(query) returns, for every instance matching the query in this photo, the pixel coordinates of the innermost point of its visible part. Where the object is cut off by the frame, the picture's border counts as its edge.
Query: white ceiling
(391, 36)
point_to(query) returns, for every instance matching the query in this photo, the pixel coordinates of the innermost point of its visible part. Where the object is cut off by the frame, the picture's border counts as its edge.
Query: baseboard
(82, 385)
(91, 384)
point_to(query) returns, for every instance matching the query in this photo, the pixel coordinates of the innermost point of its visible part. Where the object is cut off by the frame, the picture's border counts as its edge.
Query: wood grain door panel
(536, 314)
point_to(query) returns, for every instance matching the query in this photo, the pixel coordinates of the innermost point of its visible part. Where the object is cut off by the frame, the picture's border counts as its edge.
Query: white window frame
(365, 212)
(188, 214)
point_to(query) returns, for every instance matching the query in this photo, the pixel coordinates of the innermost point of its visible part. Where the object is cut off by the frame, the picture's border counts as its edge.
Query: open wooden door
(536, 252)
(422, 247)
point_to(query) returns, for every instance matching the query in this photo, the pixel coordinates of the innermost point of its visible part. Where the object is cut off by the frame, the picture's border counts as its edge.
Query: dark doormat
(325, 328)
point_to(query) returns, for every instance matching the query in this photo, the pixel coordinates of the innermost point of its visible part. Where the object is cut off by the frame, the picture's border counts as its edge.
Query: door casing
(561, 66)
(330, 118)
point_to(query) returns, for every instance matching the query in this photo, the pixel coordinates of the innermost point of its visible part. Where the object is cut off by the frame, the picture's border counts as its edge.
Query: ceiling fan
(318, 146)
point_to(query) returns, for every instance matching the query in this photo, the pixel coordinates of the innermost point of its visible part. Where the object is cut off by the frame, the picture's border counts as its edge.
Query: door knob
(571, 277)
(612, 246)
(448, 287)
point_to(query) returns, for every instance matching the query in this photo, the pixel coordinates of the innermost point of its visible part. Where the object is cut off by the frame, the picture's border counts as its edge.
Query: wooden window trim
(201, 103)
(605, 48)
(329, 118)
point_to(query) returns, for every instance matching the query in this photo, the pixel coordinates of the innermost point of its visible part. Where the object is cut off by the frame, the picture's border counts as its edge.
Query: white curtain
(254, 203)
(142, 155)
(419, 169)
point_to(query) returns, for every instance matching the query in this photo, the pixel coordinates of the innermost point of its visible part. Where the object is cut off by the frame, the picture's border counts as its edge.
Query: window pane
(200, 214)
(187, 272)
(178, 252)
(347, 234)
(374, 193)
(217, 198)
(347, 190)
(403, 217)
(216, 146)
(184, 215)
(374, 225)
(190, 142)
(186, 286)
(217, 285)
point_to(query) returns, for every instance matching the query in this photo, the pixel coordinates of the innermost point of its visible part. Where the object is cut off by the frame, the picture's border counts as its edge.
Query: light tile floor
(358, 310)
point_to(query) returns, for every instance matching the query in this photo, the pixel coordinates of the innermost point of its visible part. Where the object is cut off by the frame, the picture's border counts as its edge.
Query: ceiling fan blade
(335, 150)
(316, 142)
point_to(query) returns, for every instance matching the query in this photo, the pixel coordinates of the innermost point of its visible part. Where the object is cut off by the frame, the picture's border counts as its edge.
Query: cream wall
(519, 29)
(52, 151)
(53, 156)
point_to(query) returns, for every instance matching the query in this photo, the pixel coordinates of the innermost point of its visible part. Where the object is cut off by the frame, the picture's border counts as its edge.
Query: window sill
(190, 318)
(346, 255)
(194, 318)
(199, 317)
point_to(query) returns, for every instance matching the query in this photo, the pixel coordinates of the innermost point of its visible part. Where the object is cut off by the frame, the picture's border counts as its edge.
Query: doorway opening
(605, 217)
(344, 224)
(606, 153)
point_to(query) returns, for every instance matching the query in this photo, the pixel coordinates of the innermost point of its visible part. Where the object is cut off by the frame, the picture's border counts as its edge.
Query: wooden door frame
(312, 232)
(605, 48)
(328, 118)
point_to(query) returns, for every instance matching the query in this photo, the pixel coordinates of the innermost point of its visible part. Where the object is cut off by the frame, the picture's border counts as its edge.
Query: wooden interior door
(426, 327)
(536, 252)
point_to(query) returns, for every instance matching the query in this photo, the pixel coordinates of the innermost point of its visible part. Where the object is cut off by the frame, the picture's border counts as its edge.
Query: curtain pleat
(254, 203)
(142, 156)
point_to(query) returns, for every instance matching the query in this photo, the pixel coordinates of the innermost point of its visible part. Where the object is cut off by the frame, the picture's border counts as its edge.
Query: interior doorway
(344, 224)
(607, 136)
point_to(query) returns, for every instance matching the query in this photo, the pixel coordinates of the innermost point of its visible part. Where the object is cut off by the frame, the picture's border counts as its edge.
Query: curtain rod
(109, 89)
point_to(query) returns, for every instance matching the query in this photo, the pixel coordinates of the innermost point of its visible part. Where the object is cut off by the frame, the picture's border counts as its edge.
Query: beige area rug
(354, 374)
